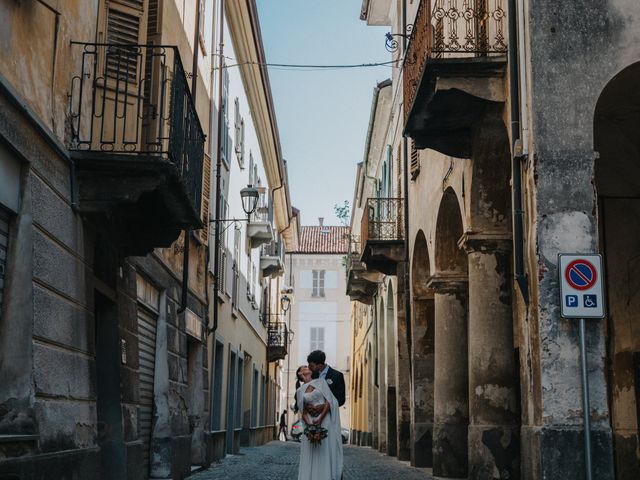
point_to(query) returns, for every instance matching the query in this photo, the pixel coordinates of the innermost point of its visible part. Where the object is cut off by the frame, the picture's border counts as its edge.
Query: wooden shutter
(123, 25)
(415, 161)
(206, 192)
(222, 267)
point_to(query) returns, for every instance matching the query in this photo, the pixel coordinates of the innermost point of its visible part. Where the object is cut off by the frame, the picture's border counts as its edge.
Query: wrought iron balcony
(137, 139)
(272, 259)
(382, 234)
(451, 38)
(277, 341)
(259, 229)
(361, 283)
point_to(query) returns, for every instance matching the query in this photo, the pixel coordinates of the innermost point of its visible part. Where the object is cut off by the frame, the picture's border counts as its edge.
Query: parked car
(297, 429)
(345, 435)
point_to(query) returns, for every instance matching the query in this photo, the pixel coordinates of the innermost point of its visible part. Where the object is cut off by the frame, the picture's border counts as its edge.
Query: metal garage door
(4, 240)
(147, 360)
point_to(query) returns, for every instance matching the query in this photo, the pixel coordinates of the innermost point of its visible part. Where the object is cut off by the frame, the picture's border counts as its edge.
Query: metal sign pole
(585, 402)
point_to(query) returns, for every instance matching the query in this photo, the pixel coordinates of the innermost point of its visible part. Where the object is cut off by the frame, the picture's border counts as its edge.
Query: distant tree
(343, 212)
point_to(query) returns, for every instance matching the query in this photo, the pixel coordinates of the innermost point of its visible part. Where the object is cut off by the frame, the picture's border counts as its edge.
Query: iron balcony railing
(382, 220)
(277, 335)
(352, 258)
(273, 249)
(452, 28)
(263, 212)
(135, 100)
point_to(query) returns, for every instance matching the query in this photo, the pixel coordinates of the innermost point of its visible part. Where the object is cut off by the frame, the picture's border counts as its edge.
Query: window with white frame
(317, 289)
(236, 266)
(239, 134)
(317, 338)
(248, 277)
(251, 170)
(226, 139)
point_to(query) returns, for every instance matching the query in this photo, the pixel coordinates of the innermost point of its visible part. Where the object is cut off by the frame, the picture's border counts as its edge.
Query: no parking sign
(581, 288)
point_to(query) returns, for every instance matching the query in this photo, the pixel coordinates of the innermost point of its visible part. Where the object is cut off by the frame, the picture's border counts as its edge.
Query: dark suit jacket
(336, 385)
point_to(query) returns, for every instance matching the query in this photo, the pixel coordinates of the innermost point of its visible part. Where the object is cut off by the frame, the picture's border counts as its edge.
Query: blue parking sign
(571, 300)
(581, 285)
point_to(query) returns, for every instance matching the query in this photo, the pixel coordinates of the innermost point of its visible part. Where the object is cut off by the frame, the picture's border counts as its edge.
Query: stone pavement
(279, 461)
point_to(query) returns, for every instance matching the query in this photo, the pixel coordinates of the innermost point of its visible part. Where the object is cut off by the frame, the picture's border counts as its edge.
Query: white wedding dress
(324, 461)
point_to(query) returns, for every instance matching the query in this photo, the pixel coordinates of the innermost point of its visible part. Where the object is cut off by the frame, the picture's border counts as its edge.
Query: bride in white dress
(324, 461)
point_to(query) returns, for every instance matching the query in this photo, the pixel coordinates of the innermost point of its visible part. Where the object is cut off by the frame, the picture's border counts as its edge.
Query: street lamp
(249, 197)
(285, 301)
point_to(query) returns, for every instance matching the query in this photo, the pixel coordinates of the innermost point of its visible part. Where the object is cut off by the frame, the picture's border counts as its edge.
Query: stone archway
(617, 175)
(451, 396)
(422, 335)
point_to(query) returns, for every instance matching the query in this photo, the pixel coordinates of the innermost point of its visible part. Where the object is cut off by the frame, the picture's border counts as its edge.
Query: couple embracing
(319, 397)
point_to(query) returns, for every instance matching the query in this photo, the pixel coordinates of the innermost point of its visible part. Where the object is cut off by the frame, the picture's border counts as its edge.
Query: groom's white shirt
(323, 373)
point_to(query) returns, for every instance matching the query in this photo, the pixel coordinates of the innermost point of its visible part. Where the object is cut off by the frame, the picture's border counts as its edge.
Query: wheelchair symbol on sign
(590, 301)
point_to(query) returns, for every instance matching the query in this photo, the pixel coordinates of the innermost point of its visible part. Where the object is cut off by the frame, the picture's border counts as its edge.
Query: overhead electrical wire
(311, 67)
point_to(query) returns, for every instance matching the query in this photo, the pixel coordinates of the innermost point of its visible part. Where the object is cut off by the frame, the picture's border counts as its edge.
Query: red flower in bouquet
(315, 434)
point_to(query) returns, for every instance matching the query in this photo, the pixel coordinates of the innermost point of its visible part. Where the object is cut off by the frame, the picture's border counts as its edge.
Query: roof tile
(324, 239)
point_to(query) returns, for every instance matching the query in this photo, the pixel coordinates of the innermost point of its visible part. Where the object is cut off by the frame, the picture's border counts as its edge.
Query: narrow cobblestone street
(279, 460)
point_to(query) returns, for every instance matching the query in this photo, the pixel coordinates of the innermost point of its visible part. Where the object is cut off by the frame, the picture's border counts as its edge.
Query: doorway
(617, 174)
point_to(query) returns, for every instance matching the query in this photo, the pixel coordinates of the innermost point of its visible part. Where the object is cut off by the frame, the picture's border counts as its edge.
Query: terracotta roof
(325, 239)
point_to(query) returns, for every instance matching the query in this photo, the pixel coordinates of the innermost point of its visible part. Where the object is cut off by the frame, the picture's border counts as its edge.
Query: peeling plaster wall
(52, 269)
(575, 48)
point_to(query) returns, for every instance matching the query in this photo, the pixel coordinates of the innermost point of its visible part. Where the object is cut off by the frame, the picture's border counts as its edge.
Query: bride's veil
(333, 426)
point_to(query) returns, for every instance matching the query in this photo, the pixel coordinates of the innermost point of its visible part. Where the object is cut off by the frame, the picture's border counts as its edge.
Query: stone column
(451, 397)
(403, 370)
(161, 451)
(422, 337)
(382, 380)
(494, 450)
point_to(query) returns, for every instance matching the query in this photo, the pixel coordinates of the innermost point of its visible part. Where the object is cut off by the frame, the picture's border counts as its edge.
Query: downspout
(216, 245)
(405, 161)
(516, 157)
(187, 231)
(211, 351)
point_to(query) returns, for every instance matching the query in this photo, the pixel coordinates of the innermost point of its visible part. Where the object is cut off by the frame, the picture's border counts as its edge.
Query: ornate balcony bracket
(391, 44)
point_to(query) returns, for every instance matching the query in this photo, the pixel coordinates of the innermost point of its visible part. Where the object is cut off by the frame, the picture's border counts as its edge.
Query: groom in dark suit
(334, 378)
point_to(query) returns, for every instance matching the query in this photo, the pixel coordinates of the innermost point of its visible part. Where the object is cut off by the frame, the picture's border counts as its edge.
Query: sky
(322, 115)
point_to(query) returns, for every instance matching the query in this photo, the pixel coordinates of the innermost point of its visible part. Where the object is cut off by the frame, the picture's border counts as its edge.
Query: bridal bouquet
(315, 434)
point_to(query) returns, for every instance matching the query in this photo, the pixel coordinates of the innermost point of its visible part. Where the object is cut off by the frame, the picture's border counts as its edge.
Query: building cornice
(244, 28)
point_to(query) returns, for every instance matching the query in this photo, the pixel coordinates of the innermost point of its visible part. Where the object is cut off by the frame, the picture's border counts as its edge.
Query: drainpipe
(405, 161)
(516, 155)
(216, 245)
(522, 52)
(187, 231)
